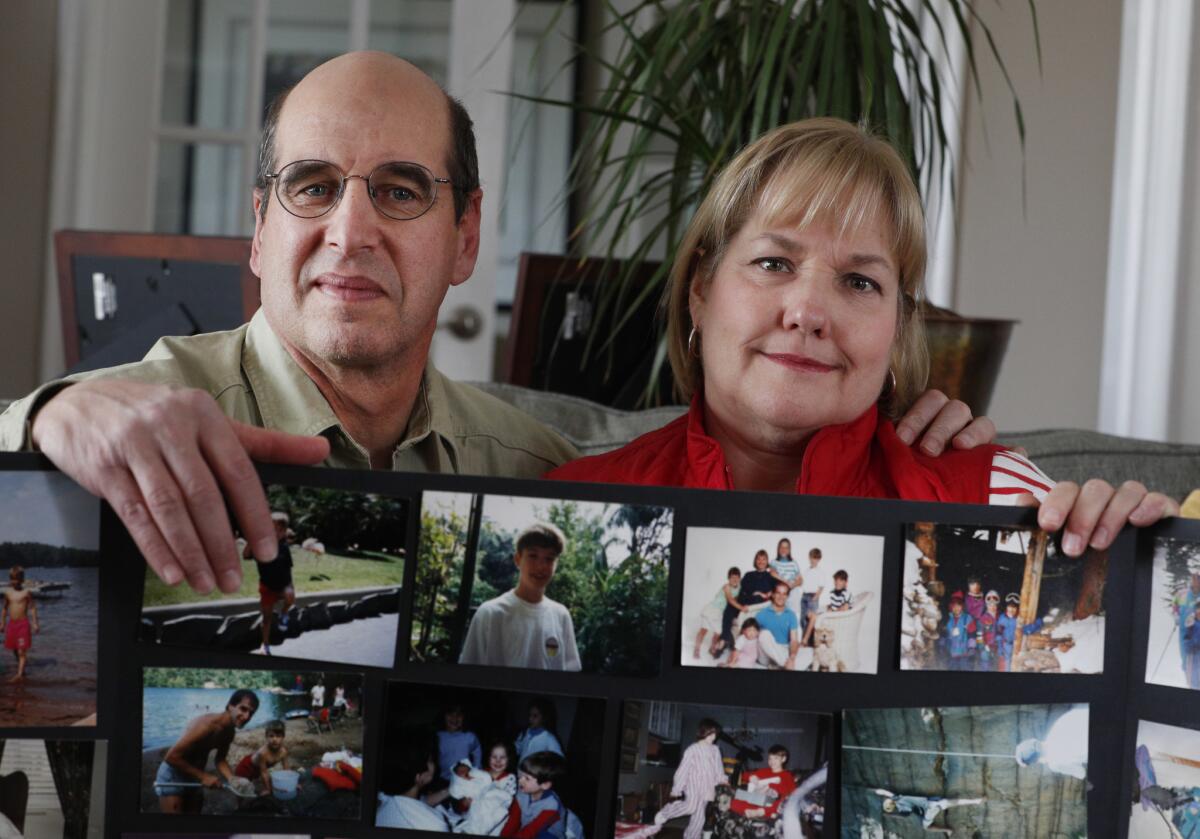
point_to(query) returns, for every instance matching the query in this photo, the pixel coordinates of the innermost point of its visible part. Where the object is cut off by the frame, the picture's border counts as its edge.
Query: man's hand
(1093, 515)
(943, 420)
(166, 460)
(211, 781)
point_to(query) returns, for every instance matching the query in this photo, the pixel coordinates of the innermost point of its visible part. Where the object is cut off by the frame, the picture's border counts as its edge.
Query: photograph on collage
(1173, 645)
(251, 742)
(721, 771)
(485, 762)
(1017, 771)
(49, 614)
(999, 599)
(52, 788)
(541, 583)
(1166, 796)
(780, 600)
(331, 594)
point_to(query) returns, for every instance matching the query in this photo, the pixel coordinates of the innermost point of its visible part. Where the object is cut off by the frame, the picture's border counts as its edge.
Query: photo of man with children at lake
(331, 594)
(767, 600)
(49, 585)
(541, 583)
(999, 599)
(251, 742)
(489, 762)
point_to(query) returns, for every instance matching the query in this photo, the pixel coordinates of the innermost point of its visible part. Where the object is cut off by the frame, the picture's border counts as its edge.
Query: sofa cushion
(1076, 455)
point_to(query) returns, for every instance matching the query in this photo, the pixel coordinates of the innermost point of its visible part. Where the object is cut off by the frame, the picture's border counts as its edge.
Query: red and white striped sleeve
(1014, 475)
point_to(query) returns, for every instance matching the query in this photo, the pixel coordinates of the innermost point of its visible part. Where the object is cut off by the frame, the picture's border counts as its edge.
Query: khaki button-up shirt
(452, 428)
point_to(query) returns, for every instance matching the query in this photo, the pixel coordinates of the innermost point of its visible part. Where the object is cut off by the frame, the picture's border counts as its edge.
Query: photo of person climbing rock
(1017, 771)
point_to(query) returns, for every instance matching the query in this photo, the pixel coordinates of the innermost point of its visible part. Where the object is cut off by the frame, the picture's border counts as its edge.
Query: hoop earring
(693, 345)
(889, 386)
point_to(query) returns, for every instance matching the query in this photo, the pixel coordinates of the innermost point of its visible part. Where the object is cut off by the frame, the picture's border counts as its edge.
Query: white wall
(1046, 266)
(1185, 413)
(27, 48)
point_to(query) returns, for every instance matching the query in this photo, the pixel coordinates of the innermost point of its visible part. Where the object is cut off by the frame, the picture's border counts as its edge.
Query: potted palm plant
(691, 83)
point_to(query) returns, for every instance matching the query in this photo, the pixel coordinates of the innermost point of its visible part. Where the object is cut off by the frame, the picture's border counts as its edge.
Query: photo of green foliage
(612, 575)
(339, 540)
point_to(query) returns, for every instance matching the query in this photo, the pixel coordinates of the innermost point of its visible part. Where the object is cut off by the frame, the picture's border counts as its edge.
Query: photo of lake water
(165, 711)
(50, 527)
(59, 687)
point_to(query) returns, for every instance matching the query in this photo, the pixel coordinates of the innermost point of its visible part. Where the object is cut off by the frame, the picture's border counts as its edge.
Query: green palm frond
(703, 78)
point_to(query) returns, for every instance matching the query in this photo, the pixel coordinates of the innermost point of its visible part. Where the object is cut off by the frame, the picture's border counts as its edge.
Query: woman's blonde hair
(820, 170)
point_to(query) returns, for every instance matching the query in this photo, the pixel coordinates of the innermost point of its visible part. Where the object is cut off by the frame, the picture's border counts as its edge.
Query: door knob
(464, 323)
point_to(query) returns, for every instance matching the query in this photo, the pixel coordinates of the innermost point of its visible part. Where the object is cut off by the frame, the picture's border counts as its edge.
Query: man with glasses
(367, 209)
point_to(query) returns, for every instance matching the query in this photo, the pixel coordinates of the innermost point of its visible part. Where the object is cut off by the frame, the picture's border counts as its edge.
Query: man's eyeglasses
(400, 190)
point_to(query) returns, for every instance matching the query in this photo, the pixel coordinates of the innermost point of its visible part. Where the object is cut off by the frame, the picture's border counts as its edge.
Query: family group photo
(50, 606)
(1015, 771)
(1000, 599)
(332, 593)
(724, 772)
(541, 583)
(251, 743)
(770, 600)
(485, 762)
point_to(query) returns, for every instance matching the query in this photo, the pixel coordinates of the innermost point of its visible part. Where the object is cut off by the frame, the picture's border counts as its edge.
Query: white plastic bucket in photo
(283, 783)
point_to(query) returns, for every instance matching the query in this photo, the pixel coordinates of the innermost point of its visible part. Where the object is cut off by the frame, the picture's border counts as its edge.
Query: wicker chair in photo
(845, 627)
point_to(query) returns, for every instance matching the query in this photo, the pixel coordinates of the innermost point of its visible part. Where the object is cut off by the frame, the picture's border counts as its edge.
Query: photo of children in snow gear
(251, 742)
(722, 771)
(541, 583)
(1017, 771)
(1166, 794)
(484, 762)
(999, 599)
(332, 593)
(1173, 646)
(49, 600)
(772, 600)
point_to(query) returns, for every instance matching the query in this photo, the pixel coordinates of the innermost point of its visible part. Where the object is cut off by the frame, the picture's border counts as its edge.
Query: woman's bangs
(828, 190)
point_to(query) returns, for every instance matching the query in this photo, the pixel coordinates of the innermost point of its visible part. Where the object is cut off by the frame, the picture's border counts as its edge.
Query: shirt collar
(290, 401)
(287, 398)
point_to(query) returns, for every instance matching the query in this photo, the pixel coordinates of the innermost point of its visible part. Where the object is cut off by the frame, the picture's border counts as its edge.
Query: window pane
(205, 64)
(533, 215)
(300, 35)
(199, 190)
(416, 30)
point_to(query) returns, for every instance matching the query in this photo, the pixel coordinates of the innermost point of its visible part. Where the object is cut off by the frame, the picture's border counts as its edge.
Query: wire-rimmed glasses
(399, 189)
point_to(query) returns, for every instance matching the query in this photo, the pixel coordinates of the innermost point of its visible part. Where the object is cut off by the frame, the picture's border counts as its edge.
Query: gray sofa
(1064, 454)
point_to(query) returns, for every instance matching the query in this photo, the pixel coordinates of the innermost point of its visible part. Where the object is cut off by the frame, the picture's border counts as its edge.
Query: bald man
(366, 209)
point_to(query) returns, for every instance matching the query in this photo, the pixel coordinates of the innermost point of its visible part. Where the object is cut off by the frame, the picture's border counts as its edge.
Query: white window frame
(1145, 244)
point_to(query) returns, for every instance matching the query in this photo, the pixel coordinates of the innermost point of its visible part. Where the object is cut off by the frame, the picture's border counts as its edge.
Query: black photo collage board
(494, 657)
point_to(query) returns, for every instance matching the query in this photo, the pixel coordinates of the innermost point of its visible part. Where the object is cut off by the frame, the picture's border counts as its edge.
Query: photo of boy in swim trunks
(15, 617)
(257, 765)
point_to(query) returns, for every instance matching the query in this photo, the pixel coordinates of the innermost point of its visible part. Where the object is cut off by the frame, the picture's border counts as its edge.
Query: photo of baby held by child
(769, 599)
(488, 762)
(999, 599)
